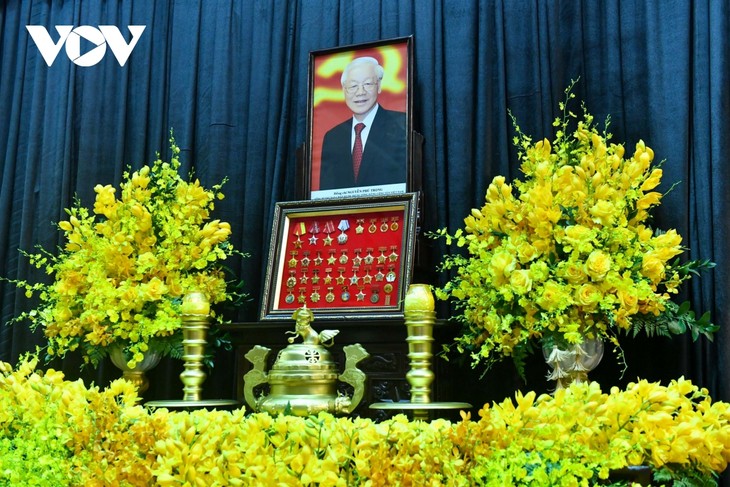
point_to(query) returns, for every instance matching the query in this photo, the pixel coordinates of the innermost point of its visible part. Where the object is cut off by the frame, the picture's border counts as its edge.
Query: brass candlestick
(420, 317)
(195, 339)
(195, 323)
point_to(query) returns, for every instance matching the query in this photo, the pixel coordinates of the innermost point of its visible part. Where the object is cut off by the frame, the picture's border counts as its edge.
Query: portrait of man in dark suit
(370, 147)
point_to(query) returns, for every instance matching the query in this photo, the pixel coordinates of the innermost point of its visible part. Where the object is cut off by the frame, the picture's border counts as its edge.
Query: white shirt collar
(368, 121)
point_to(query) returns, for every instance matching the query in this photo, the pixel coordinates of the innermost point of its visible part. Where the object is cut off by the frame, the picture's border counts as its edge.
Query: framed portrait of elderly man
(359, 123)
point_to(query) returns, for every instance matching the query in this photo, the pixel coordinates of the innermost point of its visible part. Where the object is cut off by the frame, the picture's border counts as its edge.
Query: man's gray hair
(379, 71)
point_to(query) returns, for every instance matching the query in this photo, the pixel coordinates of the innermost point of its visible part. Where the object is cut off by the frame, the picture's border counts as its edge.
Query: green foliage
(681, 476)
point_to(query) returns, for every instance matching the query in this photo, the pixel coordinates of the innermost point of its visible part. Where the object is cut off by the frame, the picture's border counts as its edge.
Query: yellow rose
(543, 245)
(603, 212)
(551, 297)
(629, 301)
(154, 290)
(520, 281)
(574, 273)
(526, 252)
(597, 265)
(146, 260)
(587, 295)
(578, 236)
(652, 268)
(543, 229)
(502, 265)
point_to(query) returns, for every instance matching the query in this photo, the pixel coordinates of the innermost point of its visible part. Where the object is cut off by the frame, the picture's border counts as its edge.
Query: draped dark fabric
(230, 79)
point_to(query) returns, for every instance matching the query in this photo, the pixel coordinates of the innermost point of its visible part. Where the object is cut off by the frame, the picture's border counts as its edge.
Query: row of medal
(299, 291)
(300, 230)
(343, 258)
(304, 295)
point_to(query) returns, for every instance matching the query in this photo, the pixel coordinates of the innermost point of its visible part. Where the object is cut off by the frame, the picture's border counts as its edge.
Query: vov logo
(105, 35)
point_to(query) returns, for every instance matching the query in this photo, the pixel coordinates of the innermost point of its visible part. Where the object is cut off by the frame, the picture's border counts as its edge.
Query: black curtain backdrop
(230, 77)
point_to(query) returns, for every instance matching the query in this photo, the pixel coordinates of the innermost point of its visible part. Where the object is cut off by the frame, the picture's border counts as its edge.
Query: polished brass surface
(420, 318)
(195, 303)
(303, 380)
(419, 325)
(195, 323)
(257, 375)
(195, 332)
(419, 298)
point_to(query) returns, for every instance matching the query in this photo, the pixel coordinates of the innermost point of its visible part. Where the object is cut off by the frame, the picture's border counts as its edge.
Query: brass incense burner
(303, 380)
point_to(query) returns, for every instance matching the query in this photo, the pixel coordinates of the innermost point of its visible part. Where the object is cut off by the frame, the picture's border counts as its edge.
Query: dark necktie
(357, 149)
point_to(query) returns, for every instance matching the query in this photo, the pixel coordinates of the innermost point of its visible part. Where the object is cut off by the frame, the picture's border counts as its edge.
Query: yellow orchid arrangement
(568, 253)
(57, 432)
(127, 264)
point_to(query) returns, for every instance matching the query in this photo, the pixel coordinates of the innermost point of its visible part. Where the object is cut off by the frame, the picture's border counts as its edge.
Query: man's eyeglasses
(368, 87)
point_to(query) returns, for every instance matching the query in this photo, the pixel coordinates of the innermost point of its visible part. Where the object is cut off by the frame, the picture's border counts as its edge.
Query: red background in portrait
(328, 101)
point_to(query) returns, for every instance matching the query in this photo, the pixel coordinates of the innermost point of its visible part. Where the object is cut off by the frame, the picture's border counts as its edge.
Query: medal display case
(346, 259)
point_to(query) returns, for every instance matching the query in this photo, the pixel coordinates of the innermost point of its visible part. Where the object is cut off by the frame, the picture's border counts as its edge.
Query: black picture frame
(385, 156)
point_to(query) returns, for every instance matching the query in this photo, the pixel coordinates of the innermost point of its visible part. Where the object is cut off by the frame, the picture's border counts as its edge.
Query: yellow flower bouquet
(127, 264)
(567, 253)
